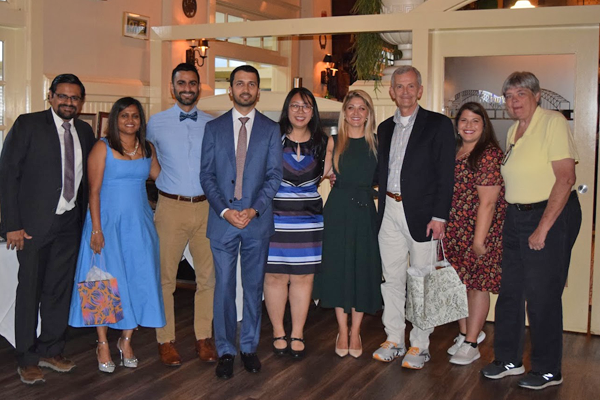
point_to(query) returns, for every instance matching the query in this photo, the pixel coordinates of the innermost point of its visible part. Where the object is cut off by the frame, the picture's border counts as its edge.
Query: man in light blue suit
(240, 174)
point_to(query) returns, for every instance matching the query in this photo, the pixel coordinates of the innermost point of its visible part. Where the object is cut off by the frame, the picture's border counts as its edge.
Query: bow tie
(193, 116)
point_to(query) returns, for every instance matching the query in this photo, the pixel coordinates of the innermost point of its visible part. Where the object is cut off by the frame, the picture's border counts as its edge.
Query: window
(224, 66)
(267, 42)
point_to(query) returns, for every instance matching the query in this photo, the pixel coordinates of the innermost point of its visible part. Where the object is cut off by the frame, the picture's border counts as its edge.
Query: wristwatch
(257, 213)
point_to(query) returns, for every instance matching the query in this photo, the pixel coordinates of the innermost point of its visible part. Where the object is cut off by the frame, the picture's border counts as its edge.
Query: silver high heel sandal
(127, 362)
(108, 367)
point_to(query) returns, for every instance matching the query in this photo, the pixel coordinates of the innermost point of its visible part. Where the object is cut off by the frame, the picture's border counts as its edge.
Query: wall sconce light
(199, 47)
(329, 64)
(328, 60)
(328, 72)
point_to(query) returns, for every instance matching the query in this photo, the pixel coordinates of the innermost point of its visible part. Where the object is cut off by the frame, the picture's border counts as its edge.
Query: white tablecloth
(9, 268)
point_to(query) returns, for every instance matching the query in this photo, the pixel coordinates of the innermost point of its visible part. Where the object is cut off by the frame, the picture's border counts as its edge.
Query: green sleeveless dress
(350, 273)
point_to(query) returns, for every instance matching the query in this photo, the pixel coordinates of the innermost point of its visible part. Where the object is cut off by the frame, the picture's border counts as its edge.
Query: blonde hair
(343, 139)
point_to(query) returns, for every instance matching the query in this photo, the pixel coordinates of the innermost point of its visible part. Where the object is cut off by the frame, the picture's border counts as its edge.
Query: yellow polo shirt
(527, 172)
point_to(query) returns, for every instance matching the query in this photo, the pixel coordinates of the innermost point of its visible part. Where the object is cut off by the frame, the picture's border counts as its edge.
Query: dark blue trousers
(536, 279)
(253, 253)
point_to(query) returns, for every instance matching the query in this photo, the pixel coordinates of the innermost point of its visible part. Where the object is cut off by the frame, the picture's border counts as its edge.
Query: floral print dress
(478, 273)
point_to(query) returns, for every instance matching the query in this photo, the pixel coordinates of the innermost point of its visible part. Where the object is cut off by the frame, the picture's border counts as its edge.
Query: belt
(195, 199)
(539, 205)
(395, 196)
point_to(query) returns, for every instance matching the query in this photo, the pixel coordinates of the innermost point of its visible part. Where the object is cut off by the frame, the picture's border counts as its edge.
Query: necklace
(137, 144)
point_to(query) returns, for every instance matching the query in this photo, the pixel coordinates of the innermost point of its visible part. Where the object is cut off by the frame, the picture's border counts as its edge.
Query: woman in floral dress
(473, 239)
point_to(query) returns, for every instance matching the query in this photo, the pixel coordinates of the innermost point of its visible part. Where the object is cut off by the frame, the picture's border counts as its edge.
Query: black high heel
(278, 351)
(298, 354)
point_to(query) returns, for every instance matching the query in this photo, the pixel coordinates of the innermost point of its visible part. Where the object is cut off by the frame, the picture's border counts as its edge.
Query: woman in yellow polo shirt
(541, 225)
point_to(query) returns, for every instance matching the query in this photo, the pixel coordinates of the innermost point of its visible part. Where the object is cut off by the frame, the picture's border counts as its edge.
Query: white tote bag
(435, 295)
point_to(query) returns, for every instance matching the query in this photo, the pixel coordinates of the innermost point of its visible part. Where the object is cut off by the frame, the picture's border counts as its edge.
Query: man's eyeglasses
(305, 107)
(507, 154)
(64, 97)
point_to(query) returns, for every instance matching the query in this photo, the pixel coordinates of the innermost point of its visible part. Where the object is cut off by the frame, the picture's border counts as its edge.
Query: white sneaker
(416, 358)
(389, 351)
(460, 339)
(465, 355)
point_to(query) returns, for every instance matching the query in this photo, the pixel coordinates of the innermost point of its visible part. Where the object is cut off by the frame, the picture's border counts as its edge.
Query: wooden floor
(321, 375)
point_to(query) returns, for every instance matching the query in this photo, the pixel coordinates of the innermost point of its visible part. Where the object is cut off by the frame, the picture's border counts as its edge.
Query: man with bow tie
(182, 211)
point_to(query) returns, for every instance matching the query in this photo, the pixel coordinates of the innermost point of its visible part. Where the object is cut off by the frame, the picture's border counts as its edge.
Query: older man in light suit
(416, 182)
(241, 173)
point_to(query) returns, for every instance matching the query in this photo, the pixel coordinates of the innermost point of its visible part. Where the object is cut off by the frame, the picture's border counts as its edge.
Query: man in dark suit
(416, 181)
(43, 198)
(240, 174)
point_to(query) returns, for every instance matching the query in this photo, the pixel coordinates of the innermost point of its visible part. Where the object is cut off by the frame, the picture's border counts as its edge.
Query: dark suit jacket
(31, 173)
(263, 172)
(427, 178)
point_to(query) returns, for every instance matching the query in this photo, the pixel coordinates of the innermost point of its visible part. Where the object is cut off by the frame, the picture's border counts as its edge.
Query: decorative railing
(495, 105)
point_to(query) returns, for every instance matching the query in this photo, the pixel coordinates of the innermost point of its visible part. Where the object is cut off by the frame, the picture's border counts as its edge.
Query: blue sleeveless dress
(130, 245)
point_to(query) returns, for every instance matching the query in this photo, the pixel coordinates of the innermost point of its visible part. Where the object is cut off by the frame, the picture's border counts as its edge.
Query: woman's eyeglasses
(295, 107)
(507, 154)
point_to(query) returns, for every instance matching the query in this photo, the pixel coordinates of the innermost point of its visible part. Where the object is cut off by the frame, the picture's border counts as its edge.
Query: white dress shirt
(237, 125)
(64, 205)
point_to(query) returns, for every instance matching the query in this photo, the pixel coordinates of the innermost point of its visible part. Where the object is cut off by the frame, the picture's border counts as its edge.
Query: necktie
(69, 172)
(240, 158)
(193, 116)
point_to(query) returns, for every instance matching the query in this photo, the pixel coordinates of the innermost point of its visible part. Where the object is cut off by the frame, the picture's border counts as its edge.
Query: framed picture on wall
(102, 124)
(136, 26)
(90, 119)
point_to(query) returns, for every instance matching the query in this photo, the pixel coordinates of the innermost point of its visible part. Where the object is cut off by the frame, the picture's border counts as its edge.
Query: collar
(237, 115)
(411, 119)
(178, 109)
(58, 121)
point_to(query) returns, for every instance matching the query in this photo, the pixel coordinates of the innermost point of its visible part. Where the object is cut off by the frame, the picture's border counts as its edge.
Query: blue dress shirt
(179, 148)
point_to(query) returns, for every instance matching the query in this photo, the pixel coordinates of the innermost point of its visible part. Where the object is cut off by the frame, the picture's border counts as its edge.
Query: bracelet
(95, 232)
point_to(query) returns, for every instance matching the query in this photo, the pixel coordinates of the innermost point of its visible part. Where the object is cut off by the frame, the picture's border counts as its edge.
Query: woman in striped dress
(295, 249)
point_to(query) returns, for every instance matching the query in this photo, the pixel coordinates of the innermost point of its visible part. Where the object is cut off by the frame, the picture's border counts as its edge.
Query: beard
(66, 112)
(239, 100)
(187, 102)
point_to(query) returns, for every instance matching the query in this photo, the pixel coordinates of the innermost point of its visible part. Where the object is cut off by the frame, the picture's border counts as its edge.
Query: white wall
(311, 55)
(85, 37)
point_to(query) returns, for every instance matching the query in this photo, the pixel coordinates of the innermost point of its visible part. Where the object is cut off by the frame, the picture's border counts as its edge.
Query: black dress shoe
(251, 362)
(297, 354)
(282, 351)
(225, 366)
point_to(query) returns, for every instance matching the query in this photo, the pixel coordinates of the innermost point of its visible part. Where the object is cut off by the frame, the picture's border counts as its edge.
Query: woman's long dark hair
(317, 135)
(488, 137)
(112, 134)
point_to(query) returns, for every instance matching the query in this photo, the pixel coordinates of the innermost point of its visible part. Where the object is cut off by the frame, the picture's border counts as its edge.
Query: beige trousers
(179, 223)
(397, 246)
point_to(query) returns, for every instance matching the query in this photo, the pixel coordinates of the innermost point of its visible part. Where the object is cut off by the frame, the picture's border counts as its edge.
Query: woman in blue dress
(295, 249)
(119, 226)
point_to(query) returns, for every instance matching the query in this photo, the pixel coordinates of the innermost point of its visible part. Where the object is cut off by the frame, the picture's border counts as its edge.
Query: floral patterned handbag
(435, 296)
(99, 293)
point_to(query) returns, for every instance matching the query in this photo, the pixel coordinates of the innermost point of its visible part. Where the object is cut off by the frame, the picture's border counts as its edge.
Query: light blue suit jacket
(262, 173)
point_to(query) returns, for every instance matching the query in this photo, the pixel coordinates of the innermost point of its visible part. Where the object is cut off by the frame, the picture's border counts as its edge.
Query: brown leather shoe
(206, 350)
(169, 355)
(31, 374)
(57, 363)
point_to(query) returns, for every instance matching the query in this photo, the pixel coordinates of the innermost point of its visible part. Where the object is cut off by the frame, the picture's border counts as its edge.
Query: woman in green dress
(350, 275)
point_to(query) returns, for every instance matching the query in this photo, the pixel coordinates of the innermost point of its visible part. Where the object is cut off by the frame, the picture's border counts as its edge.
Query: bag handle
(434, 255)
(101, 264)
